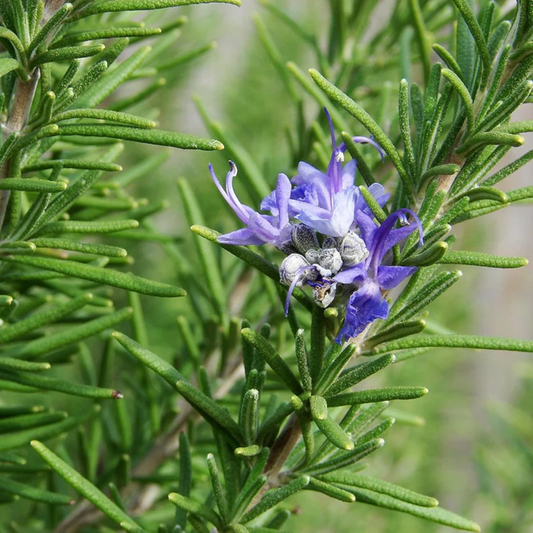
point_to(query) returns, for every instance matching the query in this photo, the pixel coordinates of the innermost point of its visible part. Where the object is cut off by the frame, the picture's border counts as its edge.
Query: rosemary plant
(353, 244)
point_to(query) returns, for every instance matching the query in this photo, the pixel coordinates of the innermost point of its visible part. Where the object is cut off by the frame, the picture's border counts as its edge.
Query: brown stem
(283, 446)
(17, 119)
(279, 453)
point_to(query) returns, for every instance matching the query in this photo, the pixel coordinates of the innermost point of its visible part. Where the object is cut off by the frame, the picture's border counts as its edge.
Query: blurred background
(469, 443)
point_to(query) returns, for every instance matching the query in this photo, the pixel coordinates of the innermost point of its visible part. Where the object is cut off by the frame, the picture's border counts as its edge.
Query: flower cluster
(332, 241)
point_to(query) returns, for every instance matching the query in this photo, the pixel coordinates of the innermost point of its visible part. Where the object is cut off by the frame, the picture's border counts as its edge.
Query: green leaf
(422, 36)
(378, 430)
(16, 410)
(7, 65)
(51, 431)
(359, 373)
(274, 360)
(332, 371)
(403, 329)
(457, 341)
(66, 387)
(464, 94)
(318, 485)
(196, 508)
(32, 185)
(281, 413)
(209, 409)
(465, 257)
(151, 360)
(434, 514)
(9, 363)
(327, 426)
(106, 114)
(88, 248)
(9, 143)
(98, 87)
(509, 169)
(47, 343)
(248, 451)
(101, 275)
(67, 54)
(50, 27)
(381, 487)
(419, 301)
(318, 342)
(448, 169)
(477, 33)
(362, 166)
(157, 137)
(427, 256)
(302, 359)
(405, 124)
(345, 459)
(36, 320)
(218, 489)
(32, 493)
(368, 122)
(253, 485)
(485, 193)
(276, 496)
(86, 488)
(76, 226)
(377, 395)
(491, 138)
(16, 423)
(105, 33)
(450, 61)
(15, 41)
(249, 415)
(141, 169)
(374, 206)
(84, 85)
(13, 458)
(113, 6)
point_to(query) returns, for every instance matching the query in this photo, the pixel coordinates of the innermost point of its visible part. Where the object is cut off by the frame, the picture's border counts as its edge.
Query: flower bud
(352, 249)
(329, 242)
(292, 267)
(287, 248)
(330, 259)
(312, 256)
(304, 238)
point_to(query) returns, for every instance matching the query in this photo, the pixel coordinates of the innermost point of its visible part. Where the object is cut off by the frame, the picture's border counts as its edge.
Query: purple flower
(367, 304)
(273, 229)
(333, 244)
(327, 202)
